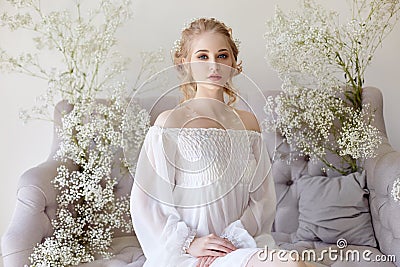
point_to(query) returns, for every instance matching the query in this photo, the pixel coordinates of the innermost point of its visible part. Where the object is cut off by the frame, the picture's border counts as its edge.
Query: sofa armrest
(382, 171)
(34, 210)
(28, 226)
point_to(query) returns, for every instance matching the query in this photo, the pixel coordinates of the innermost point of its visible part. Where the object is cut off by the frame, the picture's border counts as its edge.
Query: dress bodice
(212, 155)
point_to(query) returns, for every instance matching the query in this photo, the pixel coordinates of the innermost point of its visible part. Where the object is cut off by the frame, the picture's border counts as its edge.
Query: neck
(212, 103)
(213, 93)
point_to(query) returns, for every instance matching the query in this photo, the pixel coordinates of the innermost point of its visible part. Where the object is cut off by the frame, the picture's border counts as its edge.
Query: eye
(223, 56)
(203, 57)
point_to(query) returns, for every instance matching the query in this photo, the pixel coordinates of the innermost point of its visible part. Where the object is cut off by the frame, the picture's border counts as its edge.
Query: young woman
(203, 194)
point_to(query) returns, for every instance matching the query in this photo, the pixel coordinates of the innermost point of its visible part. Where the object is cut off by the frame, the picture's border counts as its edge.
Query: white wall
(157, 24)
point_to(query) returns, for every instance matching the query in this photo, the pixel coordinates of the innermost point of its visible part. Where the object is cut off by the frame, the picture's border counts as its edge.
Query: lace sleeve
(188, 241)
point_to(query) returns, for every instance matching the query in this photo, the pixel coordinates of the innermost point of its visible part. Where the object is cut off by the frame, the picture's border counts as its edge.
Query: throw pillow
(331, 208)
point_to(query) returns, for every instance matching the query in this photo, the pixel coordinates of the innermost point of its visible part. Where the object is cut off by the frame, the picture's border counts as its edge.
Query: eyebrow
(204, 50)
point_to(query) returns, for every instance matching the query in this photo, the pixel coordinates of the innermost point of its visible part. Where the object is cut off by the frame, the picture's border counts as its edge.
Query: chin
(214, 87)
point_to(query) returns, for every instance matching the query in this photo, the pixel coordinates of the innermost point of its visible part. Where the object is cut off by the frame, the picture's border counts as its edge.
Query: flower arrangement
(94, 133)
(322, 64)
(396, 190)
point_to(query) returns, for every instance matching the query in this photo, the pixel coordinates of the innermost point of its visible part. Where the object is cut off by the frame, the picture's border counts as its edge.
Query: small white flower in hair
(187, 24)
(237, 42)
(177, 46)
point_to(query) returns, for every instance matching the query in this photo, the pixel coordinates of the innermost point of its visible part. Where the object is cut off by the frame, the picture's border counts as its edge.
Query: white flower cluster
(93, 135)
(298, 121)
(396, 190)
(89, 212)
(319, 124)
(322, 65)
(85, 43)
(357, 137)
(313, 49)
(299, 47)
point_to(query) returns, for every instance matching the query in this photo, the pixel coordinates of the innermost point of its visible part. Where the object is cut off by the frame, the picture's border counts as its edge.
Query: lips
(214, 77)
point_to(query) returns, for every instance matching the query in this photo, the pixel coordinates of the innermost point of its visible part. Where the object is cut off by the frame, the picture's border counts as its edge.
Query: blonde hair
(182, 50)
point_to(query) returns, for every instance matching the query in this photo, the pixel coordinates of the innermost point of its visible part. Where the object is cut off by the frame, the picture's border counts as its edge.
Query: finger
(218, 247)
(203, 262)
(214, 253)
(229, 244)
(199, 261)
(222, 242)
(210, 260)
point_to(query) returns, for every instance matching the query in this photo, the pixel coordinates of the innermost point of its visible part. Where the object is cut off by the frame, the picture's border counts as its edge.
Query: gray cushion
(331, 208)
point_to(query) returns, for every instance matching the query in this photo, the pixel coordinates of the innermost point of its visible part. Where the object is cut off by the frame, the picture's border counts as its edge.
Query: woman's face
(211, 60)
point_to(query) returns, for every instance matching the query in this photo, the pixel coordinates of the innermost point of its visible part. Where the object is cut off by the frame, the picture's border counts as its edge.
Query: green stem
(330, 165)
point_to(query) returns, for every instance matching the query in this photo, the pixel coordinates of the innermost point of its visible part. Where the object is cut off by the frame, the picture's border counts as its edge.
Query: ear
(183, 60)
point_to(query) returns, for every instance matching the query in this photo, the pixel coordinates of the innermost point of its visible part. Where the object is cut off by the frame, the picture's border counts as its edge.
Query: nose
(213, 65)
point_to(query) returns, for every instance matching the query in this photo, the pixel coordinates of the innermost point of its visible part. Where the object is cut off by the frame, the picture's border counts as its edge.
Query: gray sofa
(36, 203)
(381, 172)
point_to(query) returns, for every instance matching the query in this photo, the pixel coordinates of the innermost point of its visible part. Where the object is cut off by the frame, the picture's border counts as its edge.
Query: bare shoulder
(249, 120)
(168, 119)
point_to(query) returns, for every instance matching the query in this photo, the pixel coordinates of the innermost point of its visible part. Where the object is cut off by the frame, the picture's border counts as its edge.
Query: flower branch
(94, 134)
(322, 64)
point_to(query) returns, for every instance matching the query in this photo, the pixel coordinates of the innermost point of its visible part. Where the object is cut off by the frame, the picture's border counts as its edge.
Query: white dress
(198, 181)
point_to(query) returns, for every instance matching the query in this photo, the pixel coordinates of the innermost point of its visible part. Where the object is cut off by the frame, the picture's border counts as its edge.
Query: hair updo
(182, 51)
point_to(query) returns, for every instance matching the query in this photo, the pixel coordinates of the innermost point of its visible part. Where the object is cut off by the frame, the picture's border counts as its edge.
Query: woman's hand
(210, 245)
(205, 261)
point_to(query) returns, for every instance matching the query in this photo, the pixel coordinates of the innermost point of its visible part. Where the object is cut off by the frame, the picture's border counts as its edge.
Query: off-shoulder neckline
(204, 129)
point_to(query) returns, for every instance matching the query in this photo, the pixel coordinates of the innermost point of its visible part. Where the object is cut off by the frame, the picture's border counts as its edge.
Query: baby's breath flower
(396, 190)
(358, 138)
(93, 134)
(21, 3)
(322, 65)
(17, 21)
